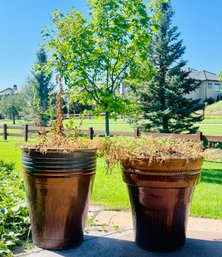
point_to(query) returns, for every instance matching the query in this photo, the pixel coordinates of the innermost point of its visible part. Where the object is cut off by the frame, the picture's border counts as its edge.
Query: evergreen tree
(42, 88)
(164, 99)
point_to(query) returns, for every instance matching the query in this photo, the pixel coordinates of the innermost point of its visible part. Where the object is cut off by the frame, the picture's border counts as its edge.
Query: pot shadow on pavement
(111, 247)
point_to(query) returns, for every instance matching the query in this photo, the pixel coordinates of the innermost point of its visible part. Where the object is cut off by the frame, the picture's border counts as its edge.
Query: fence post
(136, 133)
(199, 136)
(26, 133)
(5, 133)
(91, 133)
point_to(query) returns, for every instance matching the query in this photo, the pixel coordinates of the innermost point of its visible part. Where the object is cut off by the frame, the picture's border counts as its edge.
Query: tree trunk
(107, 124)
(162, 95)
(42, 120)
(165, 125)
(13, 119)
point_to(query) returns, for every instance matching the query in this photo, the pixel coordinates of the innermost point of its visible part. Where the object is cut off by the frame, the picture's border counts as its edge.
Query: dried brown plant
(56, 137)
(121, 149)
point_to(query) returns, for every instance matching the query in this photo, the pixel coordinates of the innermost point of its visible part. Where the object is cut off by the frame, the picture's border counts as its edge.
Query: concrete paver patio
(110, 233)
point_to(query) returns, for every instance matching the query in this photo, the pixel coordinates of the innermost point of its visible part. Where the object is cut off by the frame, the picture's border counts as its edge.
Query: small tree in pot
(58, 173)
(161, 174)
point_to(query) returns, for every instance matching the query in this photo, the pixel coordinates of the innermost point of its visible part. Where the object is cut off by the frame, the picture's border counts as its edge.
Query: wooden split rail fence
(26, 129)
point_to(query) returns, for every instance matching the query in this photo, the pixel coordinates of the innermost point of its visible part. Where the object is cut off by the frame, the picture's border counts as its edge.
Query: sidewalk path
(110, 234)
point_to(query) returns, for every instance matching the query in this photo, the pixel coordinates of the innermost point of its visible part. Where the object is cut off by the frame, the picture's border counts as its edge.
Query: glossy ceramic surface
(58, 186)
(160, 195)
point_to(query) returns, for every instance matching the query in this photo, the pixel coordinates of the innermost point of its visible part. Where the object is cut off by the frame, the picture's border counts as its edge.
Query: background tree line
(123, 42)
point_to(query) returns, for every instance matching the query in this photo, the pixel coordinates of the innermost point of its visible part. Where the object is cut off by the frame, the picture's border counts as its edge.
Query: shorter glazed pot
(160, 193)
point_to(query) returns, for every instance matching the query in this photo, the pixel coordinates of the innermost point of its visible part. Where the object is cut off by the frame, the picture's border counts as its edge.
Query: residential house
(9, 91)
(210, 86)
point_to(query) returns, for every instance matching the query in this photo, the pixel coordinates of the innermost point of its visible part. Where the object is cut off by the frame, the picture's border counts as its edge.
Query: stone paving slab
(205, 225)
(110, 234)
(122, 245)
(114, 218)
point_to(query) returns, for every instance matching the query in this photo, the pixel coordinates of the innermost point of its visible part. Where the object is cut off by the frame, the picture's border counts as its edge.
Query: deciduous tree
(96, 55)
(11, 105)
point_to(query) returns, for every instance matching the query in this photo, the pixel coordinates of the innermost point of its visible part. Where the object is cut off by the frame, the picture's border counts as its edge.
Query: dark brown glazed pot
(160, 195)
(58, 185)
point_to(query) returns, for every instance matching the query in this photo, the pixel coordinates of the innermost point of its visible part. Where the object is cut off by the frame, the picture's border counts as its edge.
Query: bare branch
(107, 77)
(114, 67)
(94, 87)
(118, 76)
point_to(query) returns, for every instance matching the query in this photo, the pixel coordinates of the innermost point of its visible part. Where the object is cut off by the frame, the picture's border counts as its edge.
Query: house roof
(9, 90)
(5, 91)
(202, 75)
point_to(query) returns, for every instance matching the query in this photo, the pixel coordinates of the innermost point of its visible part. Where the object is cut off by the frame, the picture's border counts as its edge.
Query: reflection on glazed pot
(58, 186)
(160, 196)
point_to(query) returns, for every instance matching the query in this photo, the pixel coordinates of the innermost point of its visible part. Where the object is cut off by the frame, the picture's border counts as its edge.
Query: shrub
(14, 220)
(219, 97)
(210, 100)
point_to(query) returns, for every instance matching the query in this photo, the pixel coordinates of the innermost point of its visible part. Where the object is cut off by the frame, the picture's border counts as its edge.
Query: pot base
(149, 238)
(159, 218)
(154, 247)
(59, 245)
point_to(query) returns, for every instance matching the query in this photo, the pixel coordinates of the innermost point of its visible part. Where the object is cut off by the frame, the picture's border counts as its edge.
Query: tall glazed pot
(160, 194)
(58, 186)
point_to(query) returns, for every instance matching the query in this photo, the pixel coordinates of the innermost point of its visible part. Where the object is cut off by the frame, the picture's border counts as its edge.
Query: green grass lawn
(211, 126)
(10, 151)
(215, 108)
(99, 124)
(207, 200)
(110, 191)
(212, 120)
(209, 130)
(10, 122)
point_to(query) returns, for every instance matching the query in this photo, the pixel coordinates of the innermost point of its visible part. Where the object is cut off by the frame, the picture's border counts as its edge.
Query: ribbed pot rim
(170, 164)
(164, 160)
(60, 150)
(160, 160)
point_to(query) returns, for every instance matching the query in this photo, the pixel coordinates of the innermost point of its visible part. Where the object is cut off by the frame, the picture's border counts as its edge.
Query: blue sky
(21, 22)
